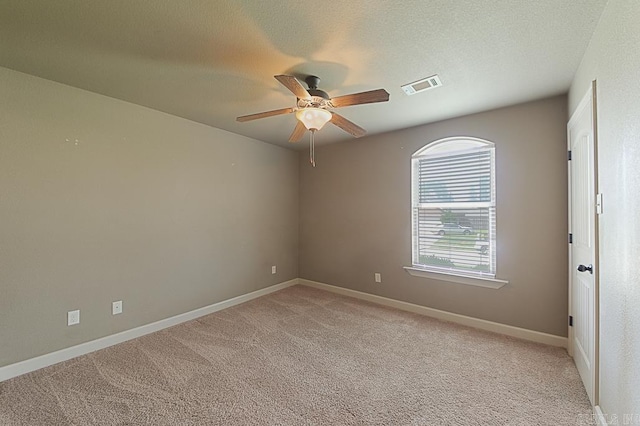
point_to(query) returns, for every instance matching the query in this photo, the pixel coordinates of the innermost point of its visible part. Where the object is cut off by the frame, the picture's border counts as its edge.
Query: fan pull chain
(312, 149)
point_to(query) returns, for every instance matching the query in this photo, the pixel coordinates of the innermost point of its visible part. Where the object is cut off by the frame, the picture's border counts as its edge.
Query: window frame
(479, 278)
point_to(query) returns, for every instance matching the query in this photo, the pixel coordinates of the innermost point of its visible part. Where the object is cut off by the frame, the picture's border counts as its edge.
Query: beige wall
(160, 212)
(613, 58)
(355, 216)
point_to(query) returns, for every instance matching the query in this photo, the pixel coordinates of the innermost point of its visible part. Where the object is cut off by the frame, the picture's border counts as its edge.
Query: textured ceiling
(210, 61)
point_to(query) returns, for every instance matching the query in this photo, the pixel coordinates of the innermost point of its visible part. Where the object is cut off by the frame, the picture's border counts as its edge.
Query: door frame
(589, 97)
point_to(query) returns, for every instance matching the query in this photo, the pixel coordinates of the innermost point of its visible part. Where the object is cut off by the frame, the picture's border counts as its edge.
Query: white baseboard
(22, 367)
(495, 327)
(601, 420)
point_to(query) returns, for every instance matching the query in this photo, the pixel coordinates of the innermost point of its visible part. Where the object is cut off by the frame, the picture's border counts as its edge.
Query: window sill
(460, 279)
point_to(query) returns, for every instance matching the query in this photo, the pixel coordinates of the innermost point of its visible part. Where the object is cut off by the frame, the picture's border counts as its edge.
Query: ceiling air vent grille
(421, 85)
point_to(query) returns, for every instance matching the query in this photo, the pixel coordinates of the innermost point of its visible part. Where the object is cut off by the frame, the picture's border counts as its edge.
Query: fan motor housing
(317, 100)
(317, 93)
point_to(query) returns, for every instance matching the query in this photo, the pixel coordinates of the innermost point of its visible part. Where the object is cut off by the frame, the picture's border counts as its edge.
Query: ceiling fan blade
(347, 125)
(372, 96)
(265, 114)
(292, 83)
(298, 132)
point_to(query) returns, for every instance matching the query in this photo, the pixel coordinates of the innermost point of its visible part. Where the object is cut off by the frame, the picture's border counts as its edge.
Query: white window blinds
(454, 225)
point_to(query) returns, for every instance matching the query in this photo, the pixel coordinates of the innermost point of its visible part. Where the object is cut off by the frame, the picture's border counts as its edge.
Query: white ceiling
(213, 60)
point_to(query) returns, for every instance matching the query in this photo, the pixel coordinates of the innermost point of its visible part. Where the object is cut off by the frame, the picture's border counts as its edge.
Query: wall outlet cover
(116, 307)
(73, 317)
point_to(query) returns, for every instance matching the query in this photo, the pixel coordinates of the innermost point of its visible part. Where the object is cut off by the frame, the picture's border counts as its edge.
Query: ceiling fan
(313, 108)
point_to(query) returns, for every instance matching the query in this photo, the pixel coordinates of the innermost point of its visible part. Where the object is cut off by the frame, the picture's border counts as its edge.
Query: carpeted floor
(302, 356)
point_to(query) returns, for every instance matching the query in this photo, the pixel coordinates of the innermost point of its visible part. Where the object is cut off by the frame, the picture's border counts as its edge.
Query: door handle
(583, 268)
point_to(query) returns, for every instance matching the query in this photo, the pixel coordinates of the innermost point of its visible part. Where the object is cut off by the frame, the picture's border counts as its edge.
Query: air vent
(422, 85)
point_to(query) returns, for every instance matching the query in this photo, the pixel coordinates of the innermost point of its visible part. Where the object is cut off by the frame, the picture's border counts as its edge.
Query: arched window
(454, 207)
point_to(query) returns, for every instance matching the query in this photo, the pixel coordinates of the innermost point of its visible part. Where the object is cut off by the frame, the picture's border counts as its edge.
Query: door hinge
(570, 321)
(599, 203)
(570, 238)
(569, 155)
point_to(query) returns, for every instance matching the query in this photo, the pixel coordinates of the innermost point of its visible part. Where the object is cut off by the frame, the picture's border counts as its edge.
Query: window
(454, 207)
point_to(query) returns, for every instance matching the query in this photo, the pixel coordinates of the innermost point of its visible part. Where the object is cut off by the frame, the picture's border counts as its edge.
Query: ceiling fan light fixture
(313, 118)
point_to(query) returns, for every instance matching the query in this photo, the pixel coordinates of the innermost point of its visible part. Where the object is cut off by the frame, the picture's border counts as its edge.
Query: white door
(583, 292)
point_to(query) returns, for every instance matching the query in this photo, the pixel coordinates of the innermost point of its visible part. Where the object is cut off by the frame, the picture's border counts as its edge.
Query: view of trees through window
(454, 207)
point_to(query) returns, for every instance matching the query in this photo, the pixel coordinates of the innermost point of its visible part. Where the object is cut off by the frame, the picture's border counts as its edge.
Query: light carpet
(303, 356)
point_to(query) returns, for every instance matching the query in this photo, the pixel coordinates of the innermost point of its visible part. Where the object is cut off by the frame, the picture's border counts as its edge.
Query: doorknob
(583, 268)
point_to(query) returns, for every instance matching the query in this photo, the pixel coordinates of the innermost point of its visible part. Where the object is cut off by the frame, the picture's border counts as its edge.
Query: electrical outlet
(378, 277)
(116, 307)
(273, 269)
(73, 317)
